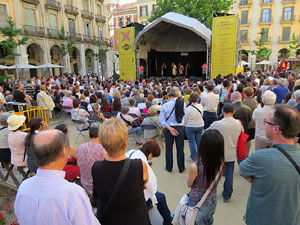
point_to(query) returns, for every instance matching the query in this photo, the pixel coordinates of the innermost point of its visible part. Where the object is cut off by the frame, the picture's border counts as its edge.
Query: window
(288, 13)
(100, 30)
(72, 26)
(244, 17)
(53, 21)
(143, 11)
(154, 6)
(265, 16)
(30, 17)
(266, 1)
(3, 15)
(244, 2)
(99, 9)
(85, 5)
(128, 20)
(87, 29)
(265, 33)
(244, 36)
(286, 33)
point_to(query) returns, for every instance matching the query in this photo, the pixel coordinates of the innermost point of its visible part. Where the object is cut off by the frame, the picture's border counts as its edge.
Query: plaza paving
(174, 184)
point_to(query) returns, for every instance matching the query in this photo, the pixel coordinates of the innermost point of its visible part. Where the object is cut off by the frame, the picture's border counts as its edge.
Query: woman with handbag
(203, 178)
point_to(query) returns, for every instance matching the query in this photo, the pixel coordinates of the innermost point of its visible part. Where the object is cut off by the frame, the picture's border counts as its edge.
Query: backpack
(179, 109)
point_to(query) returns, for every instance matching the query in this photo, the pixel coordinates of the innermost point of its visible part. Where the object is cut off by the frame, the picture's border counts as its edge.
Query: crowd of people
(122, 186)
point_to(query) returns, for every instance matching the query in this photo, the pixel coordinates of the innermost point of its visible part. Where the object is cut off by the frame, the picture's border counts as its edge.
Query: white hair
(236, 96)
(297, 95)
(269, 97)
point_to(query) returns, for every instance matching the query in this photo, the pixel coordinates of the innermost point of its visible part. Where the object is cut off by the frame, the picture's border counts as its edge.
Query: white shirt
(135, 110)
(192, 117)
(141, 105)
(49, 199)
(4, 137)
(259, 114)
(210, 102)
(231, 129)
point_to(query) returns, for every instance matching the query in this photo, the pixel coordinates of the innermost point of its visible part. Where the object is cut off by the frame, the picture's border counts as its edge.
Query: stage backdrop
(126, 52)
(224, 44)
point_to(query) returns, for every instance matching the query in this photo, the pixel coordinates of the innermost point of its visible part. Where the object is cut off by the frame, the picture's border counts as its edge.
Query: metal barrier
(32, 112)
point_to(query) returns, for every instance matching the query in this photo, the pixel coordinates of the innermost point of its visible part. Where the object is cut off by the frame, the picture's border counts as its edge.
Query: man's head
(174, 92)
(236, 97)
(297, 96)
(28, 82)
(283, 123)
(282, 81)
(228, 110)
(50, 148)
(210, 87)
(269, 97)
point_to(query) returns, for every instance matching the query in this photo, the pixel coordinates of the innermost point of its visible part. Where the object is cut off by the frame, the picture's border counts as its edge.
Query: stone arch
(35, 57)
(75, 60)
(244, 55)
(282, 53)
(55, 59)
(89, 61)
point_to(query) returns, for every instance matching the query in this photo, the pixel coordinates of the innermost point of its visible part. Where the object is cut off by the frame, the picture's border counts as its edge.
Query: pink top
(145, 111)
(17, 148)
(87, 154)
(68, 102)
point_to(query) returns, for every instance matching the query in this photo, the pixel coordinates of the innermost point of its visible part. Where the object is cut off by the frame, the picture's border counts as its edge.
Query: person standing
(173, 130)
(45, 101)
(231, 129)
(280, 90)
(275, 190)
(48, 191)
(210, 102)
(174, 69)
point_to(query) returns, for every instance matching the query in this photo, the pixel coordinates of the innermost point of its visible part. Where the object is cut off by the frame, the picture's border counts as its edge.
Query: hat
(15, 121)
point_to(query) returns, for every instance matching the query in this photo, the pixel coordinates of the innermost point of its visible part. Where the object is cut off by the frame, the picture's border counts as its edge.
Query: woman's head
(211, 153)
(113, 136)
(117, 105)
(63, 128)
(152, 148)
(35, 123)
(249, 91)
(194, 97)
(148, 105)
(104, 102)
(131, 102)
(152, 111)
(95, 107)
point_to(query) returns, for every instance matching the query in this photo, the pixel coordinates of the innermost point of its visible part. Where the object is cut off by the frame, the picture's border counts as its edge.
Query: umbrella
(2, 67)
(49, 65)
(22, 66)
(264, 62)
(243, 63)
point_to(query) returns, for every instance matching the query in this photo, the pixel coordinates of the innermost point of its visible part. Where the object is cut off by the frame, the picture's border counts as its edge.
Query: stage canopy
(174, 32)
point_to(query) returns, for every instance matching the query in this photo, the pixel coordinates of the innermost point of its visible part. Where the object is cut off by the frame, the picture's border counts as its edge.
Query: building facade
(41, 20)
(278, 19)
(144, 10)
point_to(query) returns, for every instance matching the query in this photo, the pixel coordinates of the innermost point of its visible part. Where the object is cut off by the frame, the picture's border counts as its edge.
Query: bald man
(47, 198)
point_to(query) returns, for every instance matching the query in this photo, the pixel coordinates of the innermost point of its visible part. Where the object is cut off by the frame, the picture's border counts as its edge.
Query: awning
(22, 66)
(49, 65)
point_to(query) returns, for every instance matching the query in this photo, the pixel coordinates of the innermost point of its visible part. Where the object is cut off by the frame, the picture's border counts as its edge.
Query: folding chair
(150, 127)
(65, 108)
(77, 124)
(144, 115)
(107, 114)
(58, 110)
(134, 116)
(9, 173)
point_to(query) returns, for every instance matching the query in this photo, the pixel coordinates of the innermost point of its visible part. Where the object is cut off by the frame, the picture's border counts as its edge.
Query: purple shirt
(68, 102)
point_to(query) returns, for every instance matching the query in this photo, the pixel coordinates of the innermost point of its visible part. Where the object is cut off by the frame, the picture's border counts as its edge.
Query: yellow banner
(224, 44)
(126, 53)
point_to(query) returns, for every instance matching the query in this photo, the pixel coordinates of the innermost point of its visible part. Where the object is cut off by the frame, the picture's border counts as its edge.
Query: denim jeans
(136, 130)
(228, 183)
(162, 207)
(179, 141)
(209, 118)
(194, 136)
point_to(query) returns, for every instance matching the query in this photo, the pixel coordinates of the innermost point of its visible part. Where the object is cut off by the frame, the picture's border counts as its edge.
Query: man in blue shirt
(172, 131)
(280, 91)
(275, 192)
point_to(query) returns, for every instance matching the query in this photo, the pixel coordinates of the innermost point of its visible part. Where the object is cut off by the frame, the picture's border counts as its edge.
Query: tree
(99, 56)
(10, 33)
(262, 52)
(199, 9)
(67, 43)
(294, 46)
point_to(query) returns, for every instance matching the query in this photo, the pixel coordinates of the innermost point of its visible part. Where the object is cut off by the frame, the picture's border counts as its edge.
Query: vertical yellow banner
(126, 53)
(224, 44)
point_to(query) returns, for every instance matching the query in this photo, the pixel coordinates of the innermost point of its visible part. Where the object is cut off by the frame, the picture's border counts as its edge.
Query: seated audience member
(96, 115)
(133, 109)
(129, 203)
(71, 169)
(87, 154)
(156, 104)
(116, 106)
(93, 99)
(131, 125)
(16, 139)
(4, 146)
(153, 119)
(50, 198)
(68, 101)
(142, 105)
(146, 153)
(36, 125)
(148, 105)
(105, 107)
(83, 103)
(80, 114)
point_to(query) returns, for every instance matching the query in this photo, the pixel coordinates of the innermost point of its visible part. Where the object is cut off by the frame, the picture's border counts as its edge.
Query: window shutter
(286, 31)
(72, 26)
(146, 10)
(141, 11)
(3, 15)
(52, 21)
(30, 17)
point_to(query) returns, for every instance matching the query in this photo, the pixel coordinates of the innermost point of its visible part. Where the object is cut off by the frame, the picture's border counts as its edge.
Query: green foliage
(10, 34)
(294, 46)
(67, 43)
(262, 52)
(89, 61)
(116, 76)
(2, 78)
(199, 9)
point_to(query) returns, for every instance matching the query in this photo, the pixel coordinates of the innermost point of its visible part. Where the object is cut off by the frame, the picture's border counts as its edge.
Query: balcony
(265, 21)
(103, 41)
(52, 4)
(287, 19)
(244, 3)
(53, 33)
(34, 2)
(245, 41)
(73, 35)
(86, 14)
(100, 18)
(71, 10)
(263, 2)
(288, 1)
(88, 38)
(281, 40)
(34, 31)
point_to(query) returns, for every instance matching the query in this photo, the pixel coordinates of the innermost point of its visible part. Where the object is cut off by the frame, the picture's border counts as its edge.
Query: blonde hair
(113, 136)
(152, 111)
(116, 94)
(95, 107)
(42, 87)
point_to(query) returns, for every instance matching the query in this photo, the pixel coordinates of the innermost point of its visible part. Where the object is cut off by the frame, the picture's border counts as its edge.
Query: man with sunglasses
(275, 173)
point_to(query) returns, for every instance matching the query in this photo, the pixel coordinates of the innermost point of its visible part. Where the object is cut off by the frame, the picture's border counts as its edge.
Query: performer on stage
(187, 69)
(163, 70)
(174, 69)
(180, 69)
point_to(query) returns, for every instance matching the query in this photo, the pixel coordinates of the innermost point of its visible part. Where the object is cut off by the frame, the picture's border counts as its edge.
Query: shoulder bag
(241, 147)
(116, 189)
(289, 158)
(197, 109)
(132, 124)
